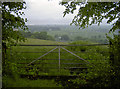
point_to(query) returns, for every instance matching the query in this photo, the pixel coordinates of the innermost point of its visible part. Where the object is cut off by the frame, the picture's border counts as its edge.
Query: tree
(43, 35)
(11, 20)
(79, 38)
(94, 13)
(50, 38)
(65, 37)
(40, 35)
(27, 34)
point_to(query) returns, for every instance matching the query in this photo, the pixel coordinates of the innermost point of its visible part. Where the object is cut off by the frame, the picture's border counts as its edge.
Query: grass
(29, 83)
(42, 42)
(28, 57)
(90, 54)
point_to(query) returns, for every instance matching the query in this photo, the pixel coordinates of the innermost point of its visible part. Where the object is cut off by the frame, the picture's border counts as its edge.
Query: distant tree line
(63, 38)
(38, 35)
(98, 39)
(95, 38)
(43, 28)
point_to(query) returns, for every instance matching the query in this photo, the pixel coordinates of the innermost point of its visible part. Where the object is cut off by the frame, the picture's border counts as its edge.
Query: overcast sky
(46, 12)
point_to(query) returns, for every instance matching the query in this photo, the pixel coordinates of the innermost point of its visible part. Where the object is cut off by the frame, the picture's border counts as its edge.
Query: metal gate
(70, 69)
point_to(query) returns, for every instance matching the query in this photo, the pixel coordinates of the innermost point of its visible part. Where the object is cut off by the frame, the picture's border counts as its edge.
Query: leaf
(100, 10)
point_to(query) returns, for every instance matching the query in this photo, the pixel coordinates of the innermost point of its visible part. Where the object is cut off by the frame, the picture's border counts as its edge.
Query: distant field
(41, 42)
(93, 33)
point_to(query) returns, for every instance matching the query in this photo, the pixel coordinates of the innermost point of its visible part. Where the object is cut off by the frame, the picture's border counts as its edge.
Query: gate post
(59, 58)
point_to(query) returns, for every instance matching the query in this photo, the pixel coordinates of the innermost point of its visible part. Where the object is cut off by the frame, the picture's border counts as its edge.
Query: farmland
(66, 33)
(25, 54)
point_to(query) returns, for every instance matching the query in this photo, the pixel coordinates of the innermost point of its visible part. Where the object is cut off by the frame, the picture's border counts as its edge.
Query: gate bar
(62, 45)
(42, 56)
(75, 55)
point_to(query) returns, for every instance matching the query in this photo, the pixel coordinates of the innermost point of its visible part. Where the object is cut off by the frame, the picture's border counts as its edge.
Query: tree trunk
(3, 56)
(111, 52)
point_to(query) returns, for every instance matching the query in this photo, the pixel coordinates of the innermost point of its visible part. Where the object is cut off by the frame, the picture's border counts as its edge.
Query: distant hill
(38, 28)
(67, 33)
(101, 28)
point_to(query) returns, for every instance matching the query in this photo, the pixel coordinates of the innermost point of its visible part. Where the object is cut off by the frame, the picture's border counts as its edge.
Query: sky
(47, 12)
(42, 12)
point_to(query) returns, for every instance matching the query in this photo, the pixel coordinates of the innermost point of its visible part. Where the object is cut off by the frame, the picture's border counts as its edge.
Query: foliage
(50, 38)
(12, 22)
(96, 11)
(99, 71)
(65, 37)
(91, 55)
(8, 82)
(79, 48)
(79, 38)
(98, 75)
(93, 13)
(73, 32)
(114, 49)
(11, 19)
(39, 28)
(26, 34)
(10, 67)
(39, 35)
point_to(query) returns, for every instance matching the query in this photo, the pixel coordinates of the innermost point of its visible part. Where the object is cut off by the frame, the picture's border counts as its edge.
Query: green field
(41, 42)
(44, 66)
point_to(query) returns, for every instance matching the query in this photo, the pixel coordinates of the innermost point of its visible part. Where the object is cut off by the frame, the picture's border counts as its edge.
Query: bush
(78, 48)
(99, 70)
(65, 38)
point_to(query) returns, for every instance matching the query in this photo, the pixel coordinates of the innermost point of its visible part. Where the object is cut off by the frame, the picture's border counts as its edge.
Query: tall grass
(20, 82)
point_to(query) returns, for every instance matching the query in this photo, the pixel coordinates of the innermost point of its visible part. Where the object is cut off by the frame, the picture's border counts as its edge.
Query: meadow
(48, 65)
